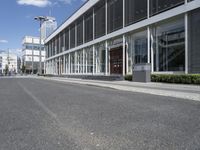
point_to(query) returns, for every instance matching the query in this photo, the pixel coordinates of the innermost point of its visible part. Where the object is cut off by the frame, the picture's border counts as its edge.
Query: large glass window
(62, 41)
(54, 46)
(169, 46)
(135, 10)
(101, 57)
(89, 59)
(157, 6)
(52, 49)
(137, 49)
(48, 48)
(57, 45)
(72, 62)
(80, 61)
(29, 47)
(66, 39)
(36, 47)
(89, 26)
(140, 48)
(115, 15)
(194, 41)
(67, 63)
(72, 36)
(100, 26)
(130, 53)
(80, 31)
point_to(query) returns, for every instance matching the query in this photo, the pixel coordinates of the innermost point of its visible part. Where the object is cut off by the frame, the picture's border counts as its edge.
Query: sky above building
(17, 18)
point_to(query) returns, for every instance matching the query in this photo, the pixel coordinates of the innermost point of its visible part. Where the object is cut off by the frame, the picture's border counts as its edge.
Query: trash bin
(142, 72)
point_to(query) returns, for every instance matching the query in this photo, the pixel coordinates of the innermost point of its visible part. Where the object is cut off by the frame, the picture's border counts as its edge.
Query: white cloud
(3, 41)
(70, 1)
(66, 1)
(38, 3)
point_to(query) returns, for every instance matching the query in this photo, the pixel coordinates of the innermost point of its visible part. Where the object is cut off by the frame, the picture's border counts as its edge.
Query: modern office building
(31, 54)
(107, 37)
(10, 60)
(48, 27)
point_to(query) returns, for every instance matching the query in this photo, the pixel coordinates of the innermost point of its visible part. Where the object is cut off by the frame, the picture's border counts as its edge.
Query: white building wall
(11, 60)
(27, 54)
(31, 52)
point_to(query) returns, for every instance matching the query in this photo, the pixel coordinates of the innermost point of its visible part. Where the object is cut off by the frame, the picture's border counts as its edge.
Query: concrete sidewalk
(191, 92)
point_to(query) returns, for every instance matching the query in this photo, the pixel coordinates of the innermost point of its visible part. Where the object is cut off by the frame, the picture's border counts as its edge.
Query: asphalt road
(36, 114)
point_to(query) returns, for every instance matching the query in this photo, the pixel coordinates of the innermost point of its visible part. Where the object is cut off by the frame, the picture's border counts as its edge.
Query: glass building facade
(107, 37)
(169, 46)
(158, 6)
(135, 11)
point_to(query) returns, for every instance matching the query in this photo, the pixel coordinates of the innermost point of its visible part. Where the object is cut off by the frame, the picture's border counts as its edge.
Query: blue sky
(16, 18)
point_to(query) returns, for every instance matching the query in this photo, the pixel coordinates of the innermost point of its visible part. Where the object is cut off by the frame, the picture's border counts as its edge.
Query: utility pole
(8, 62)
(8, 57)
(32, 58)
(41, 19)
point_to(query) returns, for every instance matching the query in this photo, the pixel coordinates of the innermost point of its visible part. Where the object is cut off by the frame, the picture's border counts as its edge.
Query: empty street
(37, 114)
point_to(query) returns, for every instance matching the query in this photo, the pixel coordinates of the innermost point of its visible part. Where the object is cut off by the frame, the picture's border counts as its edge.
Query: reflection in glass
(115, 15)
(72, 36)
(66, 39)
(72, 60)
(137, 49)
(140, 51)
(135, 10)
(194, 41)
(80, 61)
(79, 31)
(100, 56)
(157, 6)
(89, 60)
(89, 26)
(100, 19)
(169, 47)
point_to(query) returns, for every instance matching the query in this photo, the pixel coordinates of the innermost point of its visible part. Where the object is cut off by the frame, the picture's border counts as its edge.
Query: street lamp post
(8, 59)
(32, 58)
(41, 19)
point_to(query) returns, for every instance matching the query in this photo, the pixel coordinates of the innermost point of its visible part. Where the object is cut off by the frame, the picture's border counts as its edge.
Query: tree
(23, 68)
(6, 70)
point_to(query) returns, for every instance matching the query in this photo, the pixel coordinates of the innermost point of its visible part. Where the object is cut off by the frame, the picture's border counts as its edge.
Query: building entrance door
(116, 60)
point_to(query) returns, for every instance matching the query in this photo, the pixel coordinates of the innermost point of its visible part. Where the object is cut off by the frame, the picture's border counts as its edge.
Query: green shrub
(128, 77)
(169, 78)
(182, 79)
(48, 75)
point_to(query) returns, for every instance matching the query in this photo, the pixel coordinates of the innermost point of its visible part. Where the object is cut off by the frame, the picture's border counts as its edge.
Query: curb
(160, 92)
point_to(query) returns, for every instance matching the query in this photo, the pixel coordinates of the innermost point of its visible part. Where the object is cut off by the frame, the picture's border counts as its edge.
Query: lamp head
(41, 18)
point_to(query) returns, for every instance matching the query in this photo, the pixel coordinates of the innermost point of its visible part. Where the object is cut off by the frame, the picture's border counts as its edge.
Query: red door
(116, 61)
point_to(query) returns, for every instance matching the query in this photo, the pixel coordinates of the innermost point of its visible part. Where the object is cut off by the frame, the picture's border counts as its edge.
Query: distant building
(10, 60)
(48, 27)
(31, 54)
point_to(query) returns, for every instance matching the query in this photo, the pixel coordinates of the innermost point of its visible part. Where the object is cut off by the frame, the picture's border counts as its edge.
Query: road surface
(37, 114)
